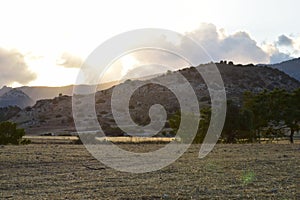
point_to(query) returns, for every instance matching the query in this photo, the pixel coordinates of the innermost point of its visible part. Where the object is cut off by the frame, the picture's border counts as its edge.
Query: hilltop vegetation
(55, 115)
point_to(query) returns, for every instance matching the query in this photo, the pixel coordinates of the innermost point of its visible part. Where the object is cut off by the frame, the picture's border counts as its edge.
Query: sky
(44, 43)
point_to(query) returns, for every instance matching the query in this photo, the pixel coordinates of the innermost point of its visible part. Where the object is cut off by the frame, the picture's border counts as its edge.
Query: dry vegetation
(62, 171)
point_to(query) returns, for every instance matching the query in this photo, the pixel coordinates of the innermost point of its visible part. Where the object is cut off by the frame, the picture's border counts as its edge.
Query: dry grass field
(64, 171)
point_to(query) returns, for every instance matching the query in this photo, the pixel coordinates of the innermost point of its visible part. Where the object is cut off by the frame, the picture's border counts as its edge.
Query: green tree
(291, 115)
(231, 126)
(246, 126)
(238, 124)
(258, 105)
(205, 114)
(277, 103)
(10, 134)
(274, 111)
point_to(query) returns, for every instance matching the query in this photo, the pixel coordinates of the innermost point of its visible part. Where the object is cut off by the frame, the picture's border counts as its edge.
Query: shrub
(10, 134)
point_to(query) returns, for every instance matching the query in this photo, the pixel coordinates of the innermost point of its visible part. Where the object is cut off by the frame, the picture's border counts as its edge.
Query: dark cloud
(284, 41)
(14, 68)
(69, 61)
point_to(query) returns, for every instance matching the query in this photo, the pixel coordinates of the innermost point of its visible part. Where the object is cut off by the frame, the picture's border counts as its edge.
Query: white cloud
(69, 60)
(14, 68)
(238, 47)
(275, 55)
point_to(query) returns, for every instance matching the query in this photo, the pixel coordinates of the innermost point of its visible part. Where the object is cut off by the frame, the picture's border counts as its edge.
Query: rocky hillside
(8, 112)
(55, 115)
(15, 97)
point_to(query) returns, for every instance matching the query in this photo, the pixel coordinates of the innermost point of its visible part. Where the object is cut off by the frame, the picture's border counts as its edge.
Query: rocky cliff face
(55, 115)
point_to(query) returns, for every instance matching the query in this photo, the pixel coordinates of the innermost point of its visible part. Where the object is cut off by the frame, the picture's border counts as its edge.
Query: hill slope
(55, 115)
(290, 67)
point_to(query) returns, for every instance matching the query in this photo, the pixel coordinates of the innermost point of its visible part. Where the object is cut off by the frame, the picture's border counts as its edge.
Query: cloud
(69, 60)
(14, 68)
(275, 55)
(284, 41)
(238, 47)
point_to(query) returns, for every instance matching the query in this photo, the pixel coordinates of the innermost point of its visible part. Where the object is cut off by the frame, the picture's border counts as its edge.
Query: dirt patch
(251, 171)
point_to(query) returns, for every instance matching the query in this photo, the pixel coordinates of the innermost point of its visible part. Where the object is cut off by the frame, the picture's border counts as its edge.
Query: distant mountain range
(9, 96)
(55, 115)
(37, 93)
(15, 97)
(290, 67)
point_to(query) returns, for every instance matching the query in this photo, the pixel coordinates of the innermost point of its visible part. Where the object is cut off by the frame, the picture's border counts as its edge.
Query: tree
(274, 111)
(10, 134)
(291, 115)
(231, 125)
(277, 104)
(258, 105)
(205, 114)
(238, 124)
(246, 126)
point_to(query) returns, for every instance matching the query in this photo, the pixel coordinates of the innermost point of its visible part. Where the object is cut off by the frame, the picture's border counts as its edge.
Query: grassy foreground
(60, 171)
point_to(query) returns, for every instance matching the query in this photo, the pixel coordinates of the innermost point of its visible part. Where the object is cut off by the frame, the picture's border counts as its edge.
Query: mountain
(37, 93)
(55, 115)
(15, 97)
(4, 89)
(41, 92)
(290, 67)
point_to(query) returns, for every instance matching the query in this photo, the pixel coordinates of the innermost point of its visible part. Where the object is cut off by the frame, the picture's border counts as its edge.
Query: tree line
(268, 114)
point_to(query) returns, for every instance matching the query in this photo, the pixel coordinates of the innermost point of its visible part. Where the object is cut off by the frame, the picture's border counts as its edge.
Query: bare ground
(62, 171)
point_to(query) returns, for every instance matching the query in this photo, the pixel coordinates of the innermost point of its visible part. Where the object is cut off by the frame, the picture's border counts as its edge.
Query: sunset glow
(44, 31)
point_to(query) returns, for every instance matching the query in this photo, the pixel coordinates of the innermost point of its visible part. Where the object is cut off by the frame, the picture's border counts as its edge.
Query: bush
(10, 134)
